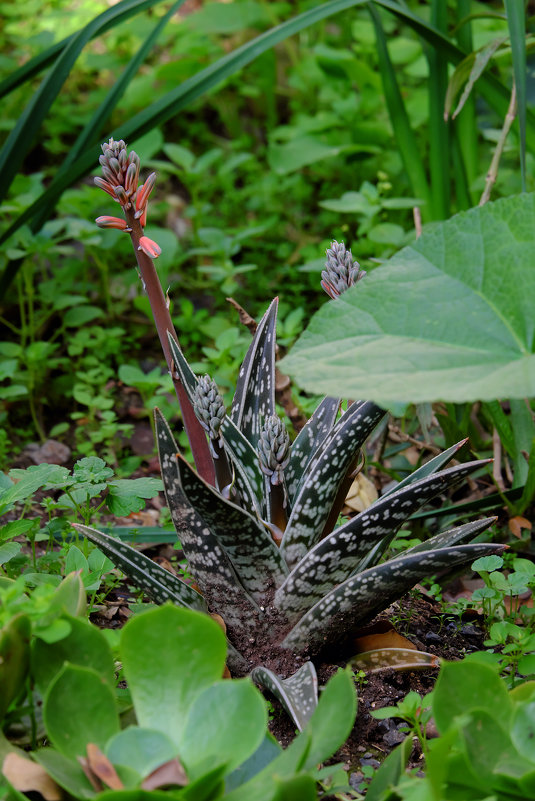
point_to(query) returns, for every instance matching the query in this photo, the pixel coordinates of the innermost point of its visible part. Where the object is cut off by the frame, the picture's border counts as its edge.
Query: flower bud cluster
(121, 175)
(274, 449)
(340, 271)
(120, 170)
(209, 406)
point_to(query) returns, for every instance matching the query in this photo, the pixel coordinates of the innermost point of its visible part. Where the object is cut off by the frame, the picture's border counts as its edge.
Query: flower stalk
(120, 180)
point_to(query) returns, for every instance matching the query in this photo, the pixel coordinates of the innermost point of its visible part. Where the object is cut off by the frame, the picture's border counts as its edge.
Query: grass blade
(438, 131)
(22, 135)
(408, 146)
(92, 130)
(516, 21)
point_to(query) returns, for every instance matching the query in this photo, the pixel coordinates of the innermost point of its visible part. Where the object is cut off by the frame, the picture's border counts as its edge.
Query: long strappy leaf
(253, 553)
(159, 583)
(340, 613)
(326, 472)
(305, 445)
(333, 559)
(254, 398)
(207, 559)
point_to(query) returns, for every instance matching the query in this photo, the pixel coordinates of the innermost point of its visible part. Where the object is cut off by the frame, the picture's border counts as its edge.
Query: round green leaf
(79, 708)
(170, 655)
(142, 750)
(523, 730)
(450, 317)
(85, 645)
(226, 724)
(464, 686)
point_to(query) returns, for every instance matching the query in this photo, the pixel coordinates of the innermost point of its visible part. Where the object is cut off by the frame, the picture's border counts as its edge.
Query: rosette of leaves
(264, 546)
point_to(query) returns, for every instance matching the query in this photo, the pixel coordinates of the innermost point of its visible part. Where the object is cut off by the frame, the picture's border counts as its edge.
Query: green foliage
(485, 743)
(194, 732)
(323, 582)
(396, 321)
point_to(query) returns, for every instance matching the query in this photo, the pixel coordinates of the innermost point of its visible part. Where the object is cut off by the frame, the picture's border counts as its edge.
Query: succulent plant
(258, 520)
(263, 546)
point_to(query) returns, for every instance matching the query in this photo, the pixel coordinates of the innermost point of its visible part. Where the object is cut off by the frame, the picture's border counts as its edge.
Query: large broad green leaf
(450, 317)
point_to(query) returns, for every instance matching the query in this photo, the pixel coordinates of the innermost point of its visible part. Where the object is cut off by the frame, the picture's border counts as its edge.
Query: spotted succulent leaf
(254, 399)
(298, 693)
(307, 442)
(255, 557)
(208, 560)
(332, 560)
(158, 583)
(453, 536)
(428, 468)
(339, 614)
(327, 470)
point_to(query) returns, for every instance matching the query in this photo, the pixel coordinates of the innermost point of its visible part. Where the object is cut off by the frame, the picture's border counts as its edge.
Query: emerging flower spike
(149, 247)
(274, 449)
(209, 406)
(340, 271)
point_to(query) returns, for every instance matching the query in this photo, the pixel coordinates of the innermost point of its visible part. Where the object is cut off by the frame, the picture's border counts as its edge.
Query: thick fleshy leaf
(66, 772)
(428, 468)
(159, 583)
(85, 645)
(253, 553)
(476, 346)
(333, 559)
(226, 723)
(453, 536)
(79, 708)
(206, 557)
(325, 474)
(254, 398)
(189, 650)
(298, 693)
(14, 659)
(307, 442)
(140, 749)
(357, 600)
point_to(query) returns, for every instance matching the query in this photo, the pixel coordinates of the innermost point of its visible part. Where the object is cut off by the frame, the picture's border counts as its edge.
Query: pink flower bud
(107, 187)
(144, 191)
(149, 247)
(111, 222)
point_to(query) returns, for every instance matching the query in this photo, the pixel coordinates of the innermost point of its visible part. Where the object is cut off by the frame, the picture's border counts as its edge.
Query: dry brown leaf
(517, 524)
(380, 659)
(362, 493)
(101, 767)
(170, 773)
(27, 776)
(390, 639)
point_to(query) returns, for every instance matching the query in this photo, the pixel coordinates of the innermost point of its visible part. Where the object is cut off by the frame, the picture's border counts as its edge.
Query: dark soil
(421, 621)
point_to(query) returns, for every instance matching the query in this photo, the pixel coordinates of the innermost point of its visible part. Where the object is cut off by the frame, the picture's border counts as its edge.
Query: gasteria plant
(263, 544)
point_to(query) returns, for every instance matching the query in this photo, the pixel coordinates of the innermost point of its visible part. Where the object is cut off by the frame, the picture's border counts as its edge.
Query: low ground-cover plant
(262, 544)
(196, 735)
(485, 747)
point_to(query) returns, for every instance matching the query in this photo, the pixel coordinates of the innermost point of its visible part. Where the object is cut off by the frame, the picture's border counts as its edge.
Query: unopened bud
(340, 271)
(274, 449)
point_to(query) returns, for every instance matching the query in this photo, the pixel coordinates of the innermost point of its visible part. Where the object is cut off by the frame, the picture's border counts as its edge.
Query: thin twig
(500, 144)
(417, 217)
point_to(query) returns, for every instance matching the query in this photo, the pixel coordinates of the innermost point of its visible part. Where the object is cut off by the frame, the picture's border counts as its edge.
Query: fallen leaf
(516, 524)
(170, 773)
(27, 776)
(362, 493)
(381, 640)
(101, 766)
(394, 659)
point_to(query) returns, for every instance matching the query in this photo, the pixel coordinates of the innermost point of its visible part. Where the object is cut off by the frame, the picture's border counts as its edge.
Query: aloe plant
(263, 545)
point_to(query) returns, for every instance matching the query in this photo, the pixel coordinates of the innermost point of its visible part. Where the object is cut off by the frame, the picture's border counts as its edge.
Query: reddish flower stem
(164, 324)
